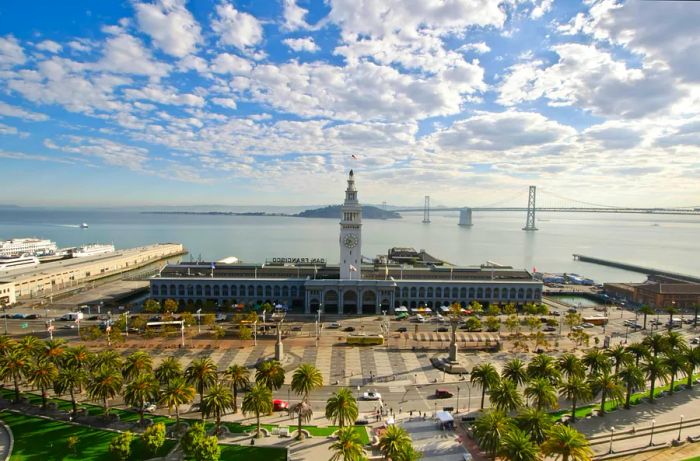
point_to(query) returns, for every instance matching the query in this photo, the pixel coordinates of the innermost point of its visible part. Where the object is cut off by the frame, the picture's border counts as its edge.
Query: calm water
(669, 242)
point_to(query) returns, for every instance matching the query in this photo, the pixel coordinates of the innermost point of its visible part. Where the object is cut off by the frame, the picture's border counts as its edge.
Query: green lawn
(238, 452)
(45, 440)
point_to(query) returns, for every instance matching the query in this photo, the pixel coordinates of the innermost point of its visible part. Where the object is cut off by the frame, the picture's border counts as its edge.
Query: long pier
(635, 268)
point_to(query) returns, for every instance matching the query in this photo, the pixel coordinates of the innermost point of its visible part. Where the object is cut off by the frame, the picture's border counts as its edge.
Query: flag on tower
(354, 157)
(353, 268)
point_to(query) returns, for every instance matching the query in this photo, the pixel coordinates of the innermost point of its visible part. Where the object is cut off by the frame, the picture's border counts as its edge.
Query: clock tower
(351, 233)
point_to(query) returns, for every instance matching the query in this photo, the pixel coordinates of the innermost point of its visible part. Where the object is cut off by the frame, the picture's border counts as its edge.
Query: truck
(596, 320)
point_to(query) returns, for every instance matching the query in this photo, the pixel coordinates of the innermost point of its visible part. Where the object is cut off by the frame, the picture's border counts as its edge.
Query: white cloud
(301, 44)
(541, 7)
(125, 54)
(478, 47)
(110, 152)
(294, 16)
(81, 45)
(50, 46)
(7, 110)
(8, 130)
(236, 28)
(11, 53)
(615, 135)
(226, 63)
(225, 102)
(164, 95)
(170, 25)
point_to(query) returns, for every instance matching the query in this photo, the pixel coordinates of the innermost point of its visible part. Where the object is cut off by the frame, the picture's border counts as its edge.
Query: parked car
(362, 422)
(31, 316)
(402, 329)
(279, 405)
(18, 316)
(371, 395)
(349, 329)
(571, 310)
(148, 407)
(334, 325)
(695, 341)
(555, 313)
(550, 328)
(296, 328)
(577, 328)
(587, 325)
(443, 329)
(443, 394)
(94, 317)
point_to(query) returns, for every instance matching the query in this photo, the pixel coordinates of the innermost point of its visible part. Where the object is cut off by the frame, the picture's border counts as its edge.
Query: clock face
(350, 240)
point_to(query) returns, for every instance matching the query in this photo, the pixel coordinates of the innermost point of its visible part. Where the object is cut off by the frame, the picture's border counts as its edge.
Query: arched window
(438, 292)
(172, 290)
(430, 292)
(496, 294)
(294, 291)
(404, 292)
(421, 292)
(538, 295)
(277, 291)
(512, 293)
(207, 290)
(488, 293)
(190, 290)
(413, 292)
(463, 293)
(529, 293)
(285, 291)
(479, 293)
(216, 290)
(181, 290)
(521, 293)
(224, 290)
(455, 293)
(268, 291)
(234, 292)
(163, 290)
(251, 291)
(259, 290)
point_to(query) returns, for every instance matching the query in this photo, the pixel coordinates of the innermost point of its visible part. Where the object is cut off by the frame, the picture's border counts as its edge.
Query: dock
(635, 268)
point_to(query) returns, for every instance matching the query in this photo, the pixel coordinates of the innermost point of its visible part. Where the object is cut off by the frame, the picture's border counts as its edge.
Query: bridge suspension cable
(579, 202)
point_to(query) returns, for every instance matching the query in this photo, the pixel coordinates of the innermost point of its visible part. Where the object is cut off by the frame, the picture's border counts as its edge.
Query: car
(371, 395)
(68, 326)
(550, 328)
(296, 328)
(587, 325)
(18, 316)
(689, 320)
(555, 313)
(349, 329)
(220, 317)
(31, 316)
(577, 328)
(334, 325)
(155, 318)
(695, 341)
(571, 310)
(279, 405)
(94, 317)
(402, 329)
(656, 322)
(443, 394)
(362, 422)
(443, 329)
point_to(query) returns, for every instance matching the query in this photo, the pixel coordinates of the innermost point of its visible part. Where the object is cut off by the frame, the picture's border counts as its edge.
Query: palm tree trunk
(689, 384)
(257, 415)
(299, 426)
(14, 378)
(645, 321)
(573, 410)
(629, 396)
(72, 401)
(141, 414)
(201, 399)
(43, 398)
(218, 422)
(653, 385)
(602, 403)
(483, 396)
(106, 405)
(235, 399)
(673, 380)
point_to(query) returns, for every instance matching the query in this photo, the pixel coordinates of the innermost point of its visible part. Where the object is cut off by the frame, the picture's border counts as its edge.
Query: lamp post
(651, 437)
(612, 433)
(199, 314)
(458, 399)
(680, 428)
(126, 323)
(4, 312)
(469, 397)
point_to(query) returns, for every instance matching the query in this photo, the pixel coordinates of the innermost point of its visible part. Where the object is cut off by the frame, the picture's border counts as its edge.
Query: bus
(365, 340)
(596, 320)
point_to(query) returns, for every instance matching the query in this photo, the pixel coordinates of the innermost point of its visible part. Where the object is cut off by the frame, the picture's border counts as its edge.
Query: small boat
(84, 225)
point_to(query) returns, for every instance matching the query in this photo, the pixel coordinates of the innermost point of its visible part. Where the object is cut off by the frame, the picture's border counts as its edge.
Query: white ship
(18, 262)
(84, 225)
(32, 246)
(92, 250)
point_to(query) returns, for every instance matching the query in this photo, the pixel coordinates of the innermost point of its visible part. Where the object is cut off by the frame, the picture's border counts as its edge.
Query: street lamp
(469, 397)
(612, 433)
(126, 323)
(458, 399)
(651, 437)
(199, 314)
(680, 428)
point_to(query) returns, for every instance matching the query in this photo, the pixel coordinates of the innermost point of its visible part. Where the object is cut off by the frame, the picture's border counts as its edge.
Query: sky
(246, 102)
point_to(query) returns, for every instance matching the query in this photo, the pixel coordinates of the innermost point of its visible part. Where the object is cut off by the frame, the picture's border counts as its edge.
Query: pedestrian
(410, 413)
(400, 410)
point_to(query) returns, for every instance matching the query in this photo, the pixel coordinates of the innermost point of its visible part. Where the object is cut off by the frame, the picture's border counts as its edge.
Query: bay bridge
(574, 206)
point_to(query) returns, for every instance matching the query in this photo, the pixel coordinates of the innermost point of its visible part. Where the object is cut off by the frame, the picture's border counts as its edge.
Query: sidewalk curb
(11, 445)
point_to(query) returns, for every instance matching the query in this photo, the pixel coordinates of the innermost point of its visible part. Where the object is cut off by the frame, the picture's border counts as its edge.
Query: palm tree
(270, 374)
(646, 310)
(670, 310)
(505, 396)
(54, 350)
(69, 379)
(575, 389)
(536, 423)
(619, 356)
(14, 365)
(42, 374)
(216, 402)
(30, 345)
(257, 400)
(143, 388)
(544, 366)
(137, 364)
(675, 342)
(654, 368)
(568, 443)
(348, 446)
(7, 343)
(305, 379)
(239, 377)
(170, 368)
(517, 446)
(407, 453)
(692, 361)
(201, 373)
(632, 377)
(490, 429)
(542, 393)
(392, 440)
(107, 359)
(656, 343)
(597, 361)
(104, 385)
(175, 393)
(486, 376)
(341, 407)
(304, 413)
(674, 362)
(609, 387)
(515, 370)
(571, 366)
(638, 351)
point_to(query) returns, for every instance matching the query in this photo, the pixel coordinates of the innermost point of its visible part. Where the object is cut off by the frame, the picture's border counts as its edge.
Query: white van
(420, 318)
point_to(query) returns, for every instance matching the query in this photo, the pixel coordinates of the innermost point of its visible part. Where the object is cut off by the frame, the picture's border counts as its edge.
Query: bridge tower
(465, 217)
(530, 220)
(426, 210)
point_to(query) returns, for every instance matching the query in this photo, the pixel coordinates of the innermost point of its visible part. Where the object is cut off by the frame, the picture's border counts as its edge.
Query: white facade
(351, 234)
(26, 245)
(7, 294)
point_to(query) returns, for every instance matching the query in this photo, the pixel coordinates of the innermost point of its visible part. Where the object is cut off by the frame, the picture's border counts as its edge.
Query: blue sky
(248, 102)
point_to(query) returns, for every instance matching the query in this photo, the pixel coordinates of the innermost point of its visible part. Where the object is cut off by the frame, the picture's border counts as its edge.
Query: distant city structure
(658, 292)
(356, 285)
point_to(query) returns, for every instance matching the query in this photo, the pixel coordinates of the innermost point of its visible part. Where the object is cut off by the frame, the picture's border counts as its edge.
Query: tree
(78, 357)
(692, 361)
(201, 373)
(492, 323)
(72, 444)
(304, 413)
(192, 439)
(544, 366)
(674, 361)
(536, 423)
(670, 310)
(305, 379)
(646, 310)
(154, 437)
(120, 446)
(609, 387)
(14, 365)
(169, 369)
(258, 400)
(490, 429)
(106, 359)
(533, 324)
(473, 324)
(407, 452)
(341, 407)
(542, 394)
(619, 355)
(571, 319)
(347, 446)
(43, 374)
(512, 324)
(632, 377)
(217, 400)
(638, 351)
(218, 332)
(505, 396)
(571, 366)
(517, 446)
(137, 363)
(597, 361)
(567, 442)
(493, 310)
(392, 440)
(151, 306)
(509, 309)
(6, 344)
(30, 345)
(654, 369)
(675, 342)
(515, 371)
(486, 376)
(198, 446)
(239, 377)
(175, 393)
(69, 379)
(104, 385)
(656, 343)
(142, 389)
(208, 450)
(270, 374)
(575, 389)
(169, 306)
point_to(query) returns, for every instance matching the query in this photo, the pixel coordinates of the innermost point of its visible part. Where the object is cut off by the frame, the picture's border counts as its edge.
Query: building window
(163, 290)
(285, 291)
(463, 293)
(207, 290)
(234, 291)
(521, 293)
(224, 290)
(529, 293)
(512, 293)
(294, 292)
(190, 290)
(172, 289)
(421, 292)
(216, 290)
(413, 292)
(277, 291)
(438, 292)
(488, 293)
(251, 291)
(455, 293)
(268, 291)
(480, 293)
(181, 290)
(199, 290)
(430, 292)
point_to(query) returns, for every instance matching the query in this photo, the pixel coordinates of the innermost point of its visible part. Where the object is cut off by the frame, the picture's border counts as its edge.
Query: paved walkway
(687, 451)
(5, 442)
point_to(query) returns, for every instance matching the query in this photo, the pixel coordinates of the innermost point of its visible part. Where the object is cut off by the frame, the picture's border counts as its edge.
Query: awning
(444, 417)
(401, 309)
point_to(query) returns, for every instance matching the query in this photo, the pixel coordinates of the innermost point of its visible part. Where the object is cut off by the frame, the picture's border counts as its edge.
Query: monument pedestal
(279, 351)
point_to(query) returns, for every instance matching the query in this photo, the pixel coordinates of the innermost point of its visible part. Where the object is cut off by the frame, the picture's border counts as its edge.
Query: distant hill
(333, 211)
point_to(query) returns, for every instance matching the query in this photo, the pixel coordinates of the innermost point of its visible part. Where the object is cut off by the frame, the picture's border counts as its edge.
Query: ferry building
(355, 285)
